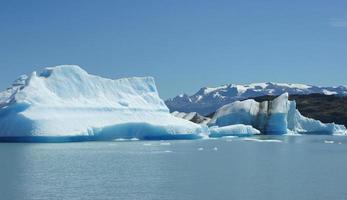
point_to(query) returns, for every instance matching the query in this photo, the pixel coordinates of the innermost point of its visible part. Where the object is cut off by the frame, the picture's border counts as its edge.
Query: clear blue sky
(184, 44)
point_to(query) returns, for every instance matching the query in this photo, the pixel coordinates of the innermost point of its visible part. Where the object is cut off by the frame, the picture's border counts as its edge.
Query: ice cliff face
(279, 116)
(67, 101)
(208, 99)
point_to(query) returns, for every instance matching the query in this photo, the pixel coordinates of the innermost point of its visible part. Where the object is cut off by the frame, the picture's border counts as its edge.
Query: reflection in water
(13, 166)
(299, 167)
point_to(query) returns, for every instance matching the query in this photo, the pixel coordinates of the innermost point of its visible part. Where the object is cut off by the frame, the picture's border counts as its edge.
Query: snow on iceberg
(233, 130)
(279, 116)
(66, 101)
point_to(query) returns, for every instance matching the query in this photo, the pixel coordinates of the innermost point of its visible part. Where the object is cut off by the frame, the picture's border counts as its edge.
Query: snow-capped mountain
(209, 99)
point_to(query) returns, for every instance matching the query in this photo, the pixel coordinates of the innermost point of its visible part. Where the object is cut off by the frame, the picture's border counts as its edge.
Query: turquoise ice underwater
(264, 168)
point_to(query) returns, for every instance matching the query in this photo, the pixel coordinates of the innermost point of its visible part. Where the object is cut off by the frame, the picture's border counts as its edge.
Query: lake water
(282, 167)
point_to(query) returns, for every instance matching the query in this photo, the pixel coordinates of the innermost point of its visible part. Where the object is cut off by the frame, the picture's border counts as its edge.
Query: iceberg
(233, 130)
(279, 116)
(65, 102)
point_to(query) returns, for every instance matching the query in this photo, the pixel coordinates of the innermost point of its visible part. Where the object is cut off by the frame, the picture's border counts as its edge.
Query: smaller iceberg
(233, 130)
(278, 116)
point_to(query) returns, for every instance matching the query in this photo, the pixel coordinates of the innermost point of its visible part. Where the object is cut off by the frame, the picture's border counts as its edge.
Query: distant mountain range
(208, 99)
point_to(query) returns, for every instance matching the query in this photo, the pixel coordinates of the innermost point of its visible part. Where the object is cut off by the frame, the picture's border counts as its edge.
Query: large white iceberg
(279, 116)
(66, 101)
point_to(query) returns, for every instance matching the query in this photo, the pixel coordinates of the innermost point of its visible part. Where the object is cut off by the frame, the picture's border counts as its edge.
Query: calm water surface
(285, 167)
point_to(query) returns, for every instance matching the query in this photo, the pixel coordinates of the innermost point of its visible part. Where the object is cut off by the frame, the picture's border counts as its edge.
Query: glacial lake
(265, 168)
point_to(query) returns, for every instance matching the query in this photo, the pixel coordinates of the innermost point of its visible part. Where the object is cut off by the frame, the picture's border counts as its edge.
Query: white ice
(279, 116)
(233, 130)
(67, 101)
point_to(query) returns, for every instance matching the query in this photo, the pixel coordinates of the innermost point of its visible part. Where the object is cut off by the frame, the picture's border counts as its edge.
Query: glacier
(67, 102)
(278, 116)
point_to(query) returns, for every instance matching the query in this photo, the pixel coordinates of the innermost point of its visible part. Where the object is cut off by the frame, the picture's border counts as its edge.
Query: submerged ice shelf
(233, 130)
(66, 101)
